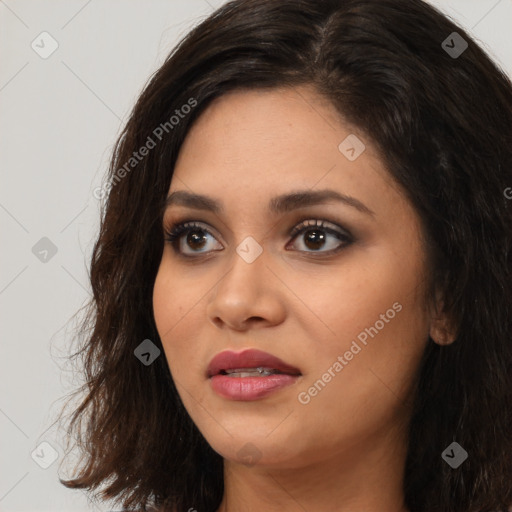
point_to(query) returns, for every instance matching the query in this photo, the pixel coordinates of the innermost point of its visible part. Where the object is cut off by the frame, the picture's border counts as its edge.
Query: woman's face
(342, 303)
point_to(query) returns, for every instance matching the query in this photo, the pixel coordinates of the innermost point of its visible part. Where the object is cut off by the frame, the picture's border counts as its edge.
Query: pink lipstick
(249, 375)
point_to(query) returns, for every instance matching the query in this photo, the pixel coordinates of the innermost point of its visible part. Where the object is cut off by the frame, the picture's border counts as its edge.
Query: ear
(442, 329)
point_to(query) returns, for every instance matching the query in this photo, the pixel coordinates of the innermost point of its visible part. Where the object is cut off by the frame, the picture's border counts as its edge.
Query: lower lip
(250, 388)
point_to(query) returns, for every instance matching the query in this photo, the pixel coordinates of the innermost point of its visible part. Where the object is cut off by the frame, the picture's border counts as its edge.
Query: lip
(229, 360)
(249, 388)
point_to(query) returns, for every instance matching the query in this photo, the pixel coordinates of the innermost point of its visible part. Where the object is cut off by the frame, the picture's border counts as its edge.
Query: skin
(345, 449)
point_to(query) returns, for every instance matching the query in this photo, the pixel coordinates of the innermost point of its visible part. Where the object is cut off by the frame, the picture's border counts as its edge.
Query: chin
(257, 450)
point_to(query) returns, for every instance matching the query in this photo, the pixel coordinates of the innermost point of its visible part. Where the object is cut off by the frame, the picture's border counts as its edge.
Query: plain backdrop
(60, 114)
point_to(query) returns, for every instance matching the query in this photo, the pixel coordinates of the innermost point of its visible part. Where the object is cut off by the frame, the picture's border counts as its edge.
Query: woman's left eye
(317, 240)
(317, 235)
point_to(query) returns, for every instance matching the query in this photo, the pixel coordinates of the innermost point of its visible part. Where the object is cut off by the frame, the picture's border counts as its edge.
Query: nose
(249, 295)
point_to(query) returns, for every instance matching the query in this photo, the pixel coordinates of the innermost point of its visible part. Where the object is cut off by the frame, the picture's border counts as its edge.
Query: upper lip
(251, 358)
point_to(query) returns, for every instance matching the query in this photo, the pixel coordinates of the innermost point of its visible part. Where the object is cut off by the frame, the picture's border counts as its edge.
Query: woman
(302, 281)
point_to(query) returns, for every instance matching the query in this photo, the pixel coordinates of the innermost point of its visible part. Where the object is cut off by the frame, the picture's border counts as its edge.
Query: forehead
(250, 126)
(250, 145)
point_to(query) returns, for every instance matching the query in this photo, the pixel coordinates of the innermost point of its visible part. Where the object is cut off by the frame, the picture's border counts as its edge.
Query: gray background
(60, 116)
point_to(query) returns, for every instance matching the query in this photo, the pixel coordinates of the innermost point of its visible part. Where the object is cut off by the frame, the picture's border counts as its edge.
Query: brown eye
(315, 235)
(196, 239)
(314, 239)
(188, 235)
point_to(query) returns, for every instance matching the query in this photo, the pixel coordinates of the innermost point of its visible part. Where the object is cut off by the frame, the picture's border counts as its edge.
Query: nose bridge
(248, 264)
(246, 290)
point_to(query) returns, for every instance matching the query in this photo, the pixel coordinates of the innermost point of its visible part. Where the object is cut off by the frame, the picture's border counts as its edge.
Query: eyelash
(176, 231)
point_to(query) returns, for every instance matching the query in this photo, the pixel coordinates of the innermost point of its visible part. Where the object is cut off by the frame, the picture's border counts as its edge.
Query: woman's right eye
(196, 238)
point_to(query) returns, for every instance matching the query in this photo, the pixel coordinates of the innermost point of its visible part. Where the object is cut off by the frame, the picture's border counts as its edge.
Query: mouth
(249, 363)
(249, 375)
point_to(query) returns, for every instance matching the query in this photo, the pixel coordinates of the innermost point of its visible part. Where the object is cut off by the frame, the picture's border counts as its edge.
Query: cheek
(377, 296)
(382, 337)
(369, 356)
(177, 301)
(174, 296)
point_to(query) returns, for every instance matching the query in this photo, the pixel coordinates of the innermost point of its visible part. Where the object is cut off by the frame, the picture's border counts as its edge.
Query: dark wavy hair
(443, 125)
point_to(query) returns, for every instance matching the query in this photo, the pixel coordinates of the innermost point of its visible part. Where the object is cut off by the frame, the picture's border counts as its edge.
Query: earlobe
(441, 337)
(442, 330)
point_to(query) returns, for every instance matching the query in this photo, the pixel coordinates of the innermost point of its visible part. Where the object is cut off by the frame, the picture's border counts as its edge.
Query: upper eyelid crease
(280, 204)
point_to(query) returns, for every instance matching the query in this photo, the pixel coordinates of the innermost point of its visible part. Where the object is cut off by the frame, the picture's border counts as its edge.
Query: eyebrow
(279, 204)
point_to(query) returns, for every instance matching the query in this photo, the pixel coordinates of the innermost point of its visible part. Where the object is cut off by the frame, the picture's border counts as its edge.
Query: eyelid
(326, 225)
(190, 223)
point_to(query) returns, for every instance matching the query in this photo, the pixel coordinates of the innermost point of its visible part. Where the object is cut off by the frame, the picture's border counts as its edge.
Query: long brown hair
(444, 125)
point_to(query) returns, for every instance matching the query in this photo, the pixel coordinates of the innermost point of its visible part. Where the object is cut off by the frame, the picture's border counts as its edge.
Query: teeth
(250, 372)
